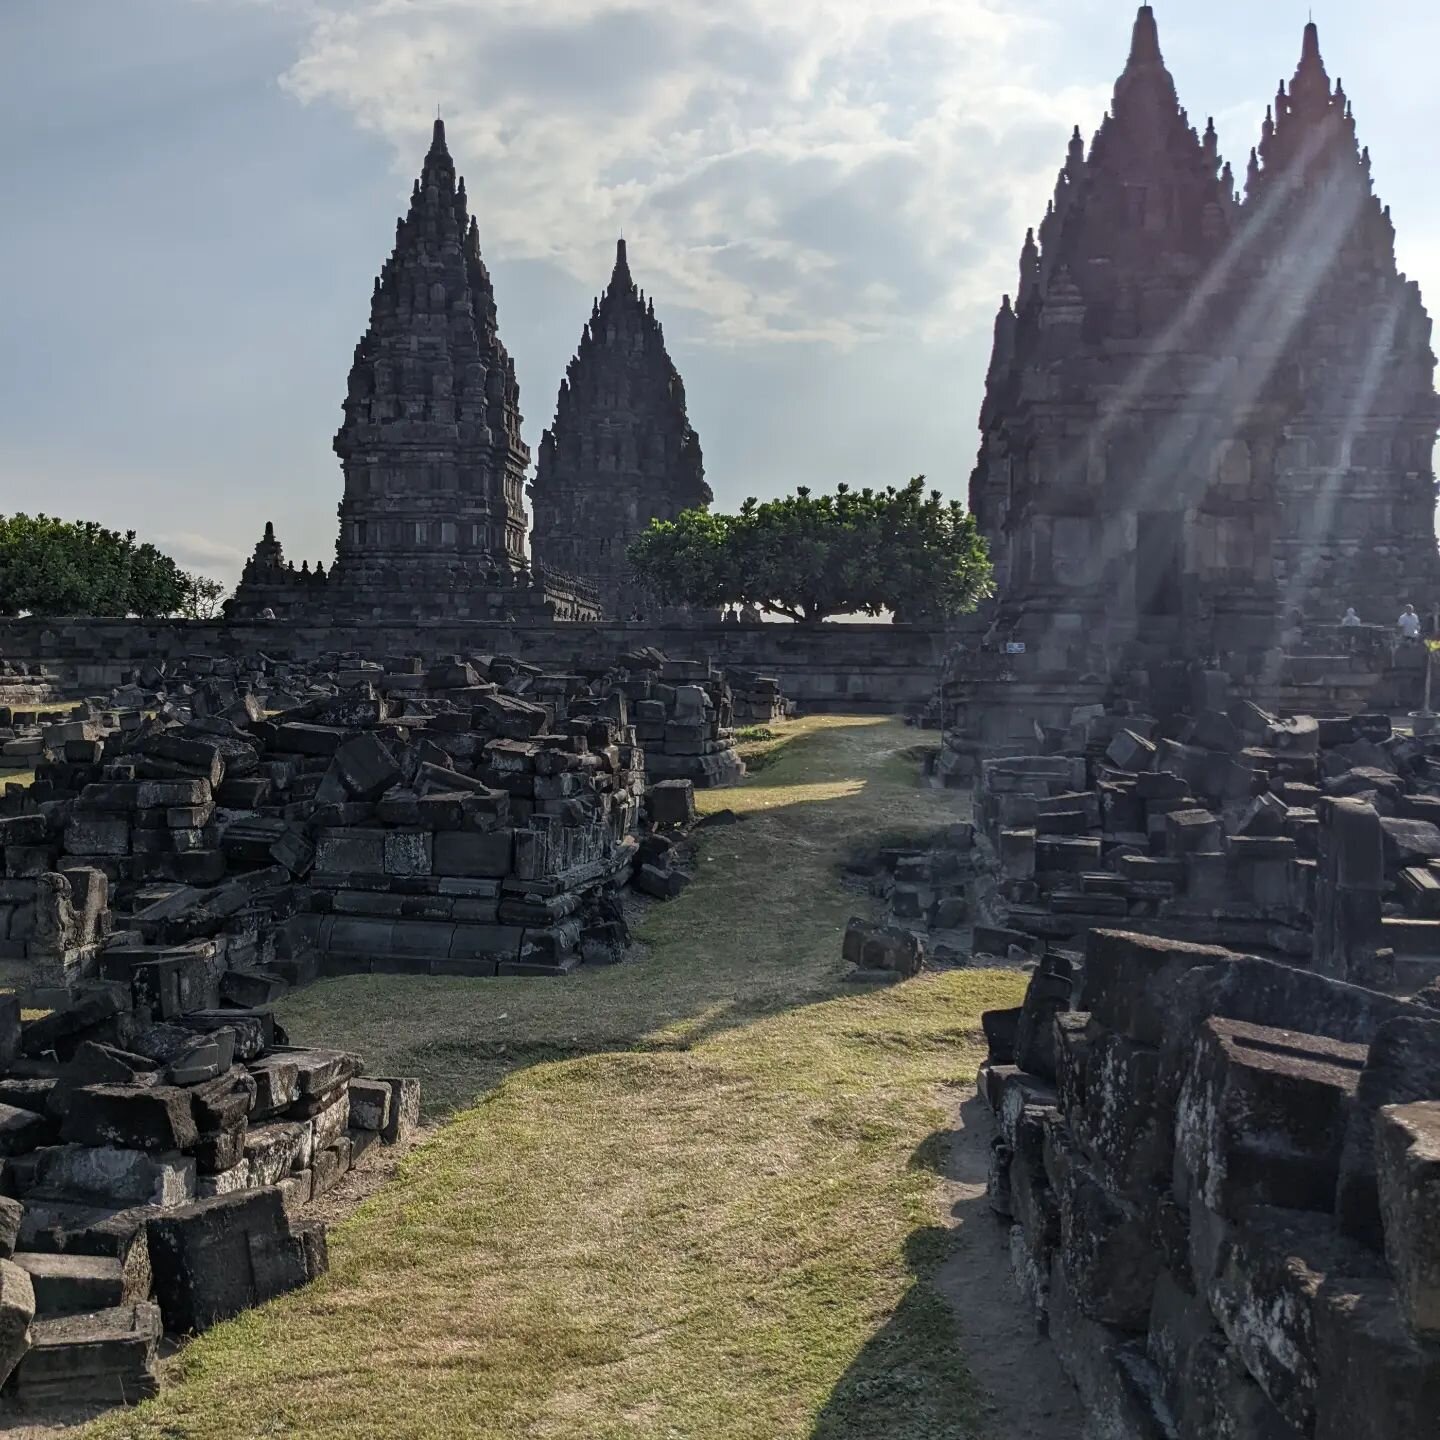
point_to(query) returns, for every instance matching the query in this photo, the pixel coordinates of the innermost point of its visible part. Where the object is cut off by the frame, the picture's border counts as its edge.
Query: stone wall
(1220, 1178)
(866, 669)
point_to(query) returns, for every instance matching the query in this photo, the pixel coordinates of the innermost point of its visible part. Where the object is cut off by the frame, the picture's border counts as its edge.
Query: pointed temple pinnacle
(1145, 43)
(437, 143)
(622, 263)
(1311, 51)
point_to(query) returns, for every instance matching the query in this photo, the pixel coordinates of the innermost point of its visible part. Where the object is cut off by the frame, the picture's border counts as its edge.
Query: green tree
(204, 598)
(50, 566)
(806, 556)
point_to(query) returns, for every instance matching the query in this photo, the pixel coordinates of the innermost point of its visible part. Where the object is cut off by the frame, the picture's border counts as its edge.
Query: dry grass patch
(690, 1197)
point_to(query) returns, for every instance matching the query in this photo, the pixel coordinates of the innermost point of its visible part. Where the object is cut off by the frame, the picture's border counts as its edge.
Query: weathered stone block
(1017, 854)
(11, 1213)
(1129, 751)
(1130, 980)
(1262, 1117)
(370, 1102)
(22, 1130)
(1109, 1253)
(1050, 991)
(366, 766)
(156, 1118)
(350, 851)
(17, 1311)
(671, 803)
(1403, 1066)
(1120, 1389)
(104, 1358)
(218, 1257)
(408, 852)
(1191, 832)
(465, 853)
(77, 1284)
(404, 1118)
(1265, 1284)
(274, 1149)
(1121, 1122)
(1408, 1156)
(1376, 1379)
(106, 1175)
(97, 833)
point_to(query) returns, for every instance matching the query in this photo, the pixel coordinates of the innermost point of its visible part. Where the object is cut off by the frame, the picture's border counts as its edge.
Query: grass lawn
(691, 1196)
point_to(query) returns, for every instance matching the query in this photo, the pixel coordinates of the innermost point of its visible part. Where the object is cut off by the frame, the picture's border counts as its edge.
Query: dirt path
(1028, 1396)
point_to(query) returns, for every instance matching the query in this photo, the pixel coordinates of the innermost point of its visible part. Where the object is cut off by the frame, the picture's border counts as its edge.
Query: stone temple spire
(1090, 427)
(621, 450)
(430, 445)
(1324, 284)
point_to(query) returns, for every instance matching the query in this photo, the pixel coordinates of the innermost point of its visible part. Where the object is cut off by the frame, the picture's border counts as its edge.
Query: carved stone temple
(270, 582)
(621, 451)
(1205, 413)
(432, 520)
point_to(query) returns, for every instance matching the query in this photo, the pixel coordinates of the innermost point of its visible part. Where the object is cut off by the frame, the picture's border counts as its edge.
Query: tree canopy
(62, 567)
(808, 556)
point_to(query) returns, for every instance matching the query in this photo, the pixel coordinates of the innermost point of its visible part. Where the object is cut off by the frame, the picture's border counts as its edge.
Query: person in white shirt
(1351, 618)
(1409, 623)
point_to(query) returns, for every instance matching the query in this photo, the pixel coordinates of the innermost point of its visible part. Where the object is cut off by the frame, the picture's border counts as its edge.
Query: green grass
(692, 1196)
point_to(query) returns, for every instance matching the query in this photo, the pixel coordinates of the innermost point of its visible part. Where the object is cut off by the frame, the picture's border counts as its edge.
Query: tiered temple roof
(1199, 412)
(430, 445)
(621, 450)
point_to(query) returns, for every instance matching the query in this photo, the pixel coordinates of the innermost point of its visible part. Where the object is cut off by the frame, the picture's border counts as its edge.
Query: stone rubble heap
(29, 734)
(157, 1159)
(1222, 1180)
(756, 699)
(683, 712)
(476, 816)
(1220, 827)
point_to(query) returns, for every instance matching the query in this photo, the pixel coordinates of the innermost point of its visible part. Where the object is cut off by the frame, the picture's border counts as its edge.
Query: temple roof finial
(437, 142)
(622, 264)
(1145, 42)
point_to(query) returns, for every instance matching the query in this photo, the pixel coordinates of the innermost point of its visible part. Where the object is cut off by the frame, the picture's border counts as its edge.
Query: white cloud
(193, 551)
(822, 170)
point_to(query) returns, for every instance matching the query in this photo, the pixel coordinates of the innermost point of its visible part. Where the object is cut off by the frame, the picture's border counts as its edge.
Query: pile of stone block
(155, 1177)
(1221, 1177)
(474, 816)
(926, 891)
(43, 739)
(495, 867)
(1213, 827)
(756, 699)
(683, 714)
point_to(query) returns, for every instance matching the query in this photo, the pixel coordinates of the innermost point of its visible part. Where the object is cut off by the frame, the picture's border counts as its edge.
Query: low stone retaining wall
(866, 669)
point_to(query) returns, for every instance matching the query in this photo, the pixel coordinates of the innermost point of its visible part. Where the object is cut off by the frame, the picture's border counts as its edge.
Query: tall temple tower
(1345, 351)
(1203, 415)
(1110, 486)
(621, 451)
(433, 514)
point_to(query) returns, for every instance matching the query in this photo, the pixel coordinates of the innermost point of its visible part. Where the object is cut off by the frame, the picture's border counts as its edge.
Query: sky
(826, 199)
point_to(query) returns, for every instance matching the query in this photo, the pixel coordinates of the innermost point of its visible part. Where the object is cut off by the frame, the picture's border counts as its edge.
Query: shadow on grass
(910, 1381)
